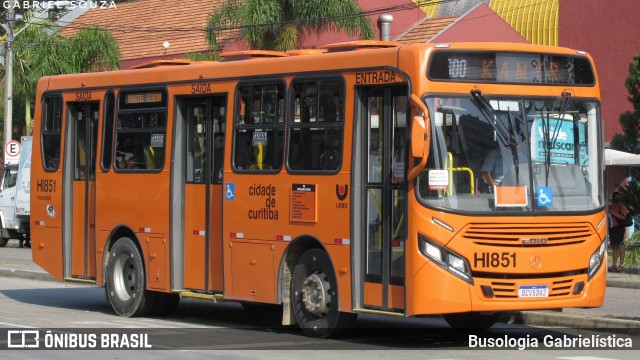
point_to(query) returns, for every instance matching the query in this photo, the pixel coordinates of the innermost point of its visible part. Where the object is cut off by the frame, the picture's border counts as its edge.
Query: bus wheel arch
(290, 258)
(114, 236)
(313, 292)
(125, 277)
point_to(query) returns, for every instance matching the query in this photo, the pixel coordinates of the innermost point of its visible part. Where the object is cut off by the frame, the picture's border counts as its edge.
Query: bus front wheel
(471, 320)
(314, 296)
(126, 281)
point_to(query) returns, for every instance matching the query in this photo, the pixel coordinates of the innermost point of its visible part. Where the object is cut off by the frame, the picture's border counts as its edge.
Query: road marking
(584, 358)
(16, 325)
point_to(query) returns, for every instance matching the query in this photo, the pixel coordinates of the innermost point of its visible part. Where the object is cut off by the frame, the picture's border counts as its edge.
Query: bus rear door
(80, 173)
(203, 135)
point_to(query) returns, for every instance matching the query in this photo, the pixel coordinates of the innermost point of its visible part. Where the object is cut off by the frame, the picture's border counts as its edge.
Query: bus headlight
(445, 258)
(597, 259)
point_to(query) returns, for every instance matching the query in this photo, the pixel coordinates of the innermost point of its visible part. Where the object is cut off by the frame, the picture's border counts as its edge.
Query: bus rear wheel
(314, 296)
(126, 280)
(471, 320)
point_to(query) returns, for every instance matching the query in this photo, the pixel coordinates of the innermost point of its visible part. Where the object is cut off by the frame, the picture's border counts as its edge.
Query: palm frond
(288, 38)
(225, 17)
(263, 22)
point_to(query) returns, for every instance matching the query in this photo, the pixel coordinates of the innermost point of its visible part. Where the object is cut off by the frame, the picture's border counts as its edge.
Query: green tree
(629, 140)
(40, 50)
(280, 24)
(207, 56)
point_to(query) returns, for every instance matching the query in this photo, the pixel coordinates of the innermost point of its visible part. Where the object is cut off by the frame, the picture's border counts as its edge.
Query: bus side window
(316, 126)
(259, 127)
(51, 133)
(107, 148)
(140, 141)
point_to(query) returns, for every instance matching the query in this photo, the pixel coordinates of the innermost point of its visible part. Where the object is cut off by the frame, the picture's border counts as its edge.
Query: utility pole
(8, 77)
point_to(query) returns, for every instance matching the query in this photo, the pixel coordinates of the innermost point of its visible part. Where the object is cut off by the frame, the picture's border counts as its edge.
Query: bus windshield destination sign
(527, 68)
(143, 98)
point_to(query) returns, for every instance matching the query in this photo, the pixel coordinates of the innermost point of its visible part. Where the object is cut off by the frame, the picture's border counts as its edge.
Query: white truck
(15, 187)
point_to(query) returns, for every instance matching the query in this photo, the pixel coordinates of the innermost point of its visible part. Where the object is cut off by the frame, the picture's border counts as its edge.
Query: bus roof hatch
(158, 63)
(360, 45)
(251, 54)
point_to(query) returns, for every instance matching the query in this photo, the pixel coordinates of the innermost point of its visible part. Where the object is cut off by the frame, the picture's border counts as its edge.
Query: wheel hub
(124, 277)
(316, 294)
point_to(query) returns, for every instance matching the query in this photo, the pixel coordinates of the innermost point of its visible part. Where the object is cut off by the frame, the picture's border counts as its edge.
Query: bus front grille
(509, 290)
(527, 235)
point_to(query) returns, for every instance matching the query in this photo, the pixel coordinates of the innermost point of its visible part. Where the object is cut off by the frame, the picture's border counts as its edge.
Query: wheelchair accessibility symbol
(230, 191)
(545, 196)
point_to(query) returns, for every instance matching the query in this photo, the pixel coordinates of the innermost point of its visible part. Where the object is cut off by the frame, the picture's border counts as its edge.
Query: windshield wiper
(550, 143)
(513, 144)
(509, 141)
(487, 110)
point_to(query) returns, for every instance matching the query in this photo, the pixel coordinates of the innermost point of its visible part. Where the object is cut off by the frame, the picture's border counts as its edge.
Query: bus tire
(471, 320)
(314, 295)
(126, 280)
(3, 241)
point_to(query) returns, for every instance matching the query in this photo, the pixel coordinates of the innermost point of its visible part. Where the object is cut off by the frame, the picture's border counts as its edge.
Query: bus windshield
(514, 154)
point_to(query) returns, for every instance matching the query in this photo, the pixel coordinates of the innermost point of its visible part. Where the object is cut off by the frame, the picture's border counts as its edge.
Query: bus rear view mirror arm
(420, 129)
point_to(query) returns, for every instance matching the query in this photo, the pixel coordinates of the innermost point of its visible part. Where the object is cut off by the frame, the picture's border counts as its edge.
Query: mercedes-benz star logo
(535, 262)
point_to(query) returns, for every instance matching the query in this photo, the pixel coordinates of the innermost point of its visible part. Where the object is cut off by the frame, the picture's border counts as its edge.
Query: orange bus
(367, 177)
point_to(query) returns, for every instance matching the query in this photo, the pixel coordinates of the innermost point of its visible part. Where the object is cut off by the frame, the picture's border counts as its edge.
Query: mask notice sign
(438, 179)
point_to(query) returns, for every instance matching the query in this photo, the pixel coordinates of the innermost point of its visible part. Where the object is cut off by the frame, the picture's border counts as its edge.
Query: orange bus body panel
(216, 281)
(194, 244)
(252, 234)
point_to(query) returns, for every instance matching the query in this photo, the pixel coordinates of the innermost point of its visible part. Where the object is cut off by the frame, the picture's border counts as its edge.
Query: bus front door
(383, 117)
(204, 124)
(80, 170)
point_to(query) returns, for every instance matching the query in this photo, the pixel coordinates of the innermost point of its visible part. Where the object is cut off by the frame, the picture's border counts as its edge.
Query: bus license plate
(539, 291)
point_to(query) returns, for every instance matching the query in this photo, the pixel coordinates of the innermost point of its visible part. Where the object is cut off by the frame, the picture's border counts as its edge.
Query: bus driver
(491, 170)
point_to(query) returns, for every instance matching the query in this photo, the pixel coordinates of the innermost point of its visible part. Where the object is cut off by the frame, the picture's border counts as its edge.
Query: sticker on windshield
(560, 134)
(438, 179)
(508, 196)
(544, 195)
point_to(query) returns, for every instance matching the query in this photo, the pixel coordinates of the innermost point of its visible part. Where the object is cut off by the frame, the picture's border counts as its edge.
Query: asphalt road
(201, 329)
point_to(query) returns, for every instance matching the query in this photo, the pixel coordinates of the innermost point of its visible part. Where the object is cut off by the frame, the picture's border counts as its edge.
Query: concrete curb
(26, 274)
(622, 283)
(582, 321)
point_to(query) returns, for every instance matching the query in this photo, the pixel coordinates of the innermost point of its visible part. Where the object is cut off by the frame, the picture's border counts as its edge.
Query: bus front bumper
(433, 290)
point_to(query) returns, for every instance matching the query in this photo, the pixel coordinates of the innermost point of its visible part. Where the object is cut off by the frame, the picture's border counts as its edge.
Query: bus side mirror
(420, 130)
(417, 137)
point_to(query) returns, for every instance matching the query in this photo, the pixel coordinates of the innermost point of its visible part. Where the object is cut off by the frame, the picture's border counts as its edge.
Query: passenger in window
(331, 158)
(259, 145)
(52, 155)
(126, 157)
(492, 171)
